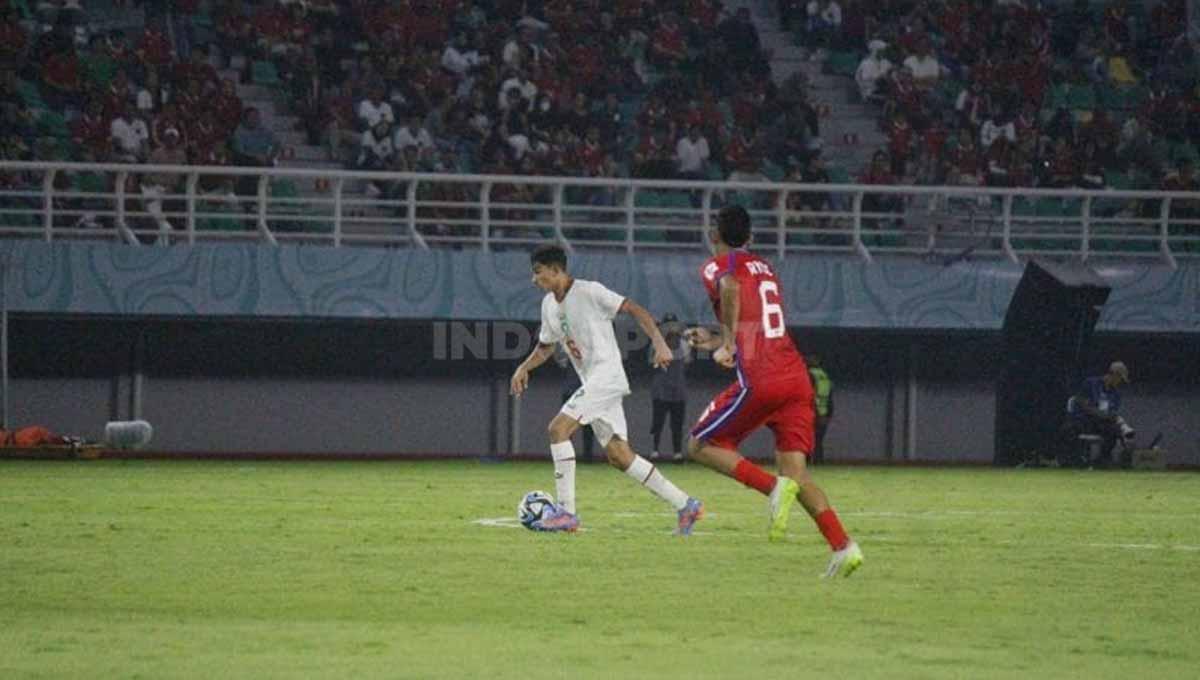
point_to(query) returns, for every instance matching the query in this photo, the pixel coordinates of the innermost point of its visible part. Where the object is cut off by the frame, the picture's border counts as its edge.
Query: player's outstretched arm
(731, 309)
(662, 352)
(520, 377)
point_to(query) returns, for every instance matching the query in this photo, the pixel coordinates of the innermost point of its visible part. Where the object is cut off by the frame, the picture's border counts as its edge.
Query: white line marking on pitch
(513, 523)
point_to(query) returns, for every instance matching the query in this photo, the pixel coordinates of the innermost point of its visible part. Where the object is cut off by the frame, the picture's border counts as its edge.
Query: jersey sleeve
(608, 302)
(711, 274)
(549, 333)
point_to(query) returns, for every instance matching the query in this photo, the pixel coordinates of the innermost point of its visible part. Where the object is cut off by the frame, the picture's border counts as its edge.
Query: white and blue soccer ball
(534, 506)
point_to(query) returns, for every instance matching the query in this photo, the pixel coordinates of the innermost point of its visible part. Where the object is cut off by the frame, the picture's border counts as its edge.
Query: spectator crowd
(998, 93)
(1019, 92)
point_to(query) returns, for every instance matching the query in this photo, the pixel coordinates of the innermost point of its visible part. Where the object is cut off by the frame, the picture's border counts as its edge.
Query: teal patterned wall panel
(311, 281)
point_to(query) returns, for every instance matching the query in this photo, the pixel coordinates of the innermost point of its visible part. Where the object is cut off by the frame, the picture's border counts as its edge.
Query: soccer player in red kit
(772, 389)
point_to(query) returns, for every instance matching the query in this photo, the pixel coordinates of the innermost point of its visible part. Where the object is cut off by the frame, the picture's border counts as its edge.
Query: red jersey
(765, 351)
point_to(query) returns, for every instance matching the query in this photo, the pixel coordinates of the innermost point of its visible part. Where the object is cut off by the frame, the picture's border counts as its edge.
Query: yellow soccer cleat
(845, 561)
(782, 497)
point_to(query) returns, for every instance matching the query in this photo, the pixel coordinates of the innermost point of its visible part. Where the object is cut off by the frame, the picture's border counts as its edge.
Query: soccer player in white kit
(578, 315)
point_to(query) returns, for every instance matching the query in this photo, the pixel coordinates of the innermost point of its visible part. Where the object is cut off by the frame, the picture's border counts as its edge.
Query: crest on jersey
(710, 270)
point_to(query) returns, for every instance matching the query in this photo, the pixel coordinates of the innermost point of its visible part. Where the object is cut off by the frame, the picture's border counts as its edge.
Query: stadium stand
(590, 89)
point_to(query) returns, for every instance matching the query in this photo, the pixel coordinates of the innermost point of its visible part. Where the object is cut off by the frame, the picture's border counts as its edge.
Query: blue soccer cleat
(556, 520)
(689, 515)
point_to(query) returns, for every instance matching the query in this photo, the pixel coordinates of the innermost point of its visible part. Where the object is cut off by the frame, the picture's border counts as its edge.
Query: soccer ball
(533, 506)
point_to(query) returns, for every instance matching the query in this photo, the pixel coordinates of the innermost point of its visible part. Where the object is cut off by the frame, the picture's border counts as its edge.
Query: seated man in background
(1094, 410)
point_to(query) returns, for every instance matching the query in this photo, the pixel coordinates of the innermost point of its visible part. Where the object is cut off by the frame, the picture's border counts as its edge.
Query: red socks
(831, 528)
(762, 481)
(754, 477)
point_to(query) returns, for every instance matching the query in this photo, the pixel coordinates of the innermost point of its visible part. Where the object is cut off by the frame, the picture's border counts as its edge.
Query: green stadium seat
(52, 124)
(265, 74)
(838, 175)
(31, 95)
(773, 171)
(843, 63)
(220, 216)
(1081, 98)
(648, 198)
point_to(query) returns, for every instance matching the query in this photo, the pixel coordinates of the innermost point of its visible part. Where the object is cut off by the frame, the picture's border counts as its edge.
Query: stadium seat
(843, 63)
(31, 95)
(265, 74)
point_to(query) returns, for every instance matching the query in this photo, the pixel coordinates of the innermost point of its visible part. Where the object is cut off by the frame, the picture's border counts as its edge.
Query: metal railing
(148, 204)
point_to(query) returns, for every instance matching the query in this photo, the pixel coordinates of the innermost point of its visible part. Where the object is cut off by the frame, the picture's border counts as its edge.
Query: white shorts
(603, 410)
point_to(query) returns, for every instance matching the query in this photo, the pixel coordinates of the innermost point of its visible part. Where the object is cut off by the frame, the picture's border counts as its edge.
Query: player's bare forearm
(643, 319)
(538, 356)
(520, 377)
(731, 304)
(662, 353)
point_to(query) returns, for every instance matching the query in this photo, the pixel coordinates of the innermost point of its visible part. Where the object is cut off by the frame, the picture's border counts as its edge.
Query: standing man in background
(669, 389)
(823, 402)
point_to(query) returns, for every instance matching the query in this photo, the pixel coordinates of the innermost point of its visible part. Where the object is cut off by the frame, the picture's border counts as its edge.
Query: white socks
(564, 475)
(648, 476)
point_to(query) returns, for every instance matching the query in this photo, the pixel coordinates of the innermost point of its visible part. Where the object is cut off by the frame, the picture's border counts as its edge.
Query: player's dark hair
(733, 224)
(549, 255)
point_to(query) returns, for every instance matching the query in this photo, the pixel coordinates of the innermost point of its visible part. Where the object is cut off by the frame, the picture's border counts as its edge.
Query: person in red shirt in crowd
(654, 113)
(62, 84)
(196, 68)
(964, 162)
(652, 157)
(116, 48)
(272, 29)
(702, 15)
(193, 97)
(426, 25)
(668, 47)
(1063, 170)
(173, 116)
(586, 62)
(1116, 23)
(702, 114)
(13, 40)
(204, 137)
(117, 95)
(234, 30)
(591, 153)
(1026, 125)
(743, 150)
(930, 160)
(901, 140)
(228, 107)
(92, 129)
(630, 13)
(879, 172)
(154, 48)
(903, 95)
(748, 105)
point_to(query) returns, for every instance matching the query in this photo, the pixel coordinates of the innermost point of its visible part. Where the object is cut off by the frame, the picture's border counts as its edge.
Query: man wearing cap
(1095, 407)
(871, 69)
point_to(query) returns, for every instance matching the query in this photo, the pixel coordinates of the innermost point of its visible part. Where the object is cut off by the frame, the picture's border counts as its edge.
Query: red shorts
(785, 405)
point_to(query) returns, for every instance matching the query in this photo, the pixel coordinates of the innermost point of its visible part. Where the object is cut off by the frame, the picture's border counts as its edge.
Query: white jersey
(582, 324)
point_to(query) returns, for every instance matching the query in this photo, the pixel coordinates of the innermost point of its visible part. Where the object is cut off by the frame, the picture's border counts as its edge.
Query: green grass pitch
(134, 569)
